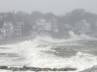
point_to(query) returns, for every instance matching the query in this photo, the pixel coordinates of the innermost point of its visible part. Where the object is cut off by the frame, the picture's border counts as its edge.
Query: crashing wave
(33, 55)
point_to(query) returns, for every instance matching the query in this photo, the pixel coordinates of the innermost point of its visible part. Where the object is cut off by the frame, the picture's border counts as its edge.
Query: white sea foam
(34, 56)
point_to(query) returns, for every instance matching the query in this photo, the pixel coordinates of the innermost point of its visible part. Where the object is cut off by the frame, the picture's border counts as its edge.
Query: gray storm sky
(55, 6)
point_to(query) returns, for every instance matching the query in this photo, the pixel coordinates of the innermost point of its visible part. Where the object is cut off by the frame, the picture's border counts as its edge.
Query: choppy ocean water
(80, 54)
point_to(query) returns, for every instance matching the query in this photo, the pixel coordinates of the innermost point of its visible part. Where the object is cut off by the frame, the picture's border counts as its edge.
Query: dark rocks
(25, 68)
(4, 67)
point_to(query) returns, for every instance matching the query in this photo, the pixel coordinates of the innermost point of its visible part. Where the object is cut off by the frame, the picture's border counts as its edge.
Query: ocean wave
(32, 53)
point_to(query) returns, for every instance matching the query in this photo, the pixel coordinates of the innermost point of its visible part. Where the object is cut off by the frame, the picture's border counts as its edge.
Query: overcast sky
(55, 6)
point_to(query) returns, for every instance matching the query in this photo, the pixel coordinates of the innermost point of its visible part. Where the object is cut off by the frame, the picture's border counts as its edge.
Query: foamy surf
(31, 51)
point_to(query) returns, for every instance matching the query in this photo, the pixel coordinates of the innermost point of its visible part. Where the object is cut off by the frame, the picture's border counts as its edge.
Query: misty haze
(48, 41)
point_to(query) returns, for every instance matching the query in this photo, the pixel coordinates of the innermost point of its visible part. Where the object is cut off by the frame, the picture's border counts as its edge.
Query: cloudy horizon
(54, 6)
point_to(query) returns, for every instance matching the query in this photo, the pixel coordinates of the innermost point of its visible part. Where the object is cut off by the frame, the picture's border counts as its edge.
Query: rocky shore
(36, 69)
